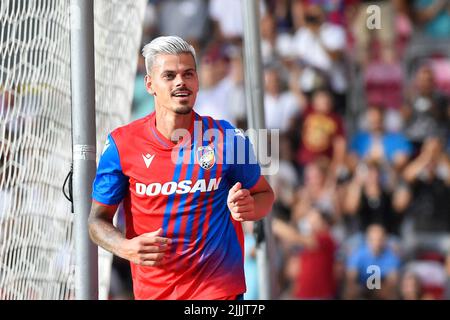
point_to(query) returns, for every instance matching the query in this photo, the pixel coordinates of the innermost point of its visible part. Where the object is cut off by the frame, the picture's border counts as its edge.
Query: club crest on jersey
(205, 157)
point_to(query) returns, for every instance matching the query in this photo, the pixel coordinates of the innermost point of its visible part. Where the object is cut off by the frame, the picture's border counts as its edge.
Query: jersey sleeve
(244, 167)
(110, 184)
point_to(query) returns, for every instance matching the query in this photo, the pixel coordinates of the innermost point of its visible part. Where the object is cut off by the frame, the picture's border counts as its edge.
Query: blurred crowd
(360, 93)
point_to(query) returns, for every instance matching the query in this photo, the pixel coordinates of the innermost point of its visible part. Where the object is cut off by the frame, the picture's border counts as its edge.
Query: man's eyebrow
(169, 72)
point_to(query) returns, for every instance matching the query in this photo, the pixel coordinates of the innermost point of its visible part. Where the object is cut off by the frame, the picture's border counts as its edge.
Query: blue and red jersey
(182, 188)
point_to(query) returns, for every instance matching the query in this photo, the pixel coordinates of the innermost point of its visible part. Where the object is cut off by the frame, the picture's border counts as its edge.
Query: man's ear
(149, 84)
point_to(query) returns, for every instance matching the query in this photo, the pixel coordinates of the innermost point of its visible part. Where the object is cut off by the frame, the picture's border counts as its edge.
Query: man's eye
(168, 76)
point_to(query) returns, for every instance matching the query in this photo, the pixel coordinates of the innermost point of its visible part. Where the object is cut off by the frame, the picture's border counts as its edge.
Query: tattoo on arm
(102, 230)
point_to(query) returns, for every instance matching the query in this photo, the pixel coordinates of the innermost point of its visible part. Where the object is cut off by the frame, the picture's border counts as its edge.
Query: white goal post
(36, 224)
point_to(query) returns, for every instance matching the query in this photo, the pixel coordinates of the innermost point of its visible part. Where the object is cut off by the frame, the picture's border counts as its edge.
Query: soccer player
(186, 183)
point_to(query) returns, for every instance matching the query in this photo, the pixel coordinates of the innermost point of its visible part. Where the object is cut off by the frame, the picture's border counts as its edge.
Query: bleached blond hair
(165, 45)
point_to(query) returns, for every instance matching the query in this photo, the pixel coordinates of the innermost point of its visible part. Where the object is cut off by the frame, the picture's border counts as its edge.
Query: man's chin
(183, 109)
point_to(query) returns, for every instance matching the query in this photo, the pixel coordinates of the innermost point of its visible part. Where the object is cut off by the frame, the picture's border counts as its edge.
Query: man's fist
(148, 249)
(240, 202)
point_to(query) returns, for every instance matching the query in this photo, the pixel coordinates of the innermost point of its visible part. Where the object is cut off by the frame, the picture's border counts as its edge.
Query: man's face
(376, 238)
(267, 27)
(425, 81)
(322, 102)
(271, 82)
(313, 175)
(374, 120)
(174, 82)
(313, 16)
(373, 176)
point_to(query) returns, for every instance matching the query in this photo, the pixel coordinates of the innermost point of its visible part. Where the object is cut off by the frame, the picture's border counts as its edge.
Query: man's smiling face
(174, 82)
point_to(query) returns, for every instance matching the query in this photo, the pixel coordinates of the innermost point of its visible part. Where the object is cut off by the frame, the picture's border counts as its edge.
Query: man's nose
(179, 81)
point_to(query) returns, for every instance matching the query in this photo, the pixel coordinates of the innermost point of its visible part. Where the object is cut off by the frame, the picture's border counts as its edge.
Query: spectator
(433, 17)
(297, 14)
(220, 88)
(411, 287)
(318, 191)
(235, 82)
(281, 107)
(335, 10)
(429, 177)
(282, 13)
(274, 46)
(379, 146)
(370, 203)
(375, 252)
(403, 25)
(315, 277)
(384, 33)
(424, 113)
(192, 19)
(149, 30)
(227, 19)
(320, 47)
(285, 182)
(431, 275)
(322, 132)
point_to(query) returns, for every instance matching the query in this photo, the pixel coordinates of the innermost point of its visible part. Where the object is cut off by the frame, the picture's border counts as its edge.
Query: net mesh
(36, 223)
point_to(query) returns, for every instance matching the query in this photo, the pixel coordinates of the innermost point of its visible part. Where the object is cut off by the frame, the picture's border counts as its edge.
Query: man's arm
(401, 198)
(146, 250)
(389, 287)
(352, 200)
(291, 236)
(251, 204)
(428, 13)
(413, 169)
(352, 290)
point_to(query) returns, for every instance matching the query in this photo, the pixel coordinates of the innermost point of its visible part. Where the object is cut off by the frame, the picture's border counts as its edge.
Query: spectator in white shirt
(222, 94)
(320, 47)
(228, 17)
(281, 107)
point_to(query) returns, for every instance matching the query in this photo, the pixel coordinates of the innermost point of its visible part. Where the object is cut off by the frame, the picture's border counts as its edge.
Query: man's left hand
(240, 202)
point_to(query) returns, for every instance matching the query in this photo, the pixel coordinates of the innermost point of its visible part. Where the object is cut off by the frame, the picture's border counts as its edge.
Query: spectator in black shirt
(425, 111)
(370, 203)
(429, 177)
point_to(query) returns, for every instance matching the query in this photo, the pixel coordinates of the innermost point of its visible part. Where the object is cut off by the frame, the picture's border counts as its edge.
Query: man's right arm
(102, 230)
(109, 188)
(147, 249)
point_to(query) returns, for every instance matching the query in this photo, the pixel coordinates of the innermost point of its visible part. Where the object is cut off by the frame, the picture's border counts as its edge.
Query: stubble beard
(183, 108)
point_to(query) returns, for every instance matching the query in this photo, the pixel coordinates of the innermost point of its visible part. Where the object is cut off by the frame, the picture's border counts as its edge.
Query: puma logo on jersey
(148, 159)
(182, 187)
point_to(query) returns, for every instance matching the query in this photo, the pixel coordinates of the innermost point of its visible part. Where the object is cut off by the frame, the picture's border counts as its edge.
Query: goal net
(36, 223)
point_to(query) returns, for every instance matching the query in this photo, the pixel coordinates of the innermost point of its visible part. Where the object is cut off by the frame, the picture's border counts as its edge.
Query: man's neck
(167, 122)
